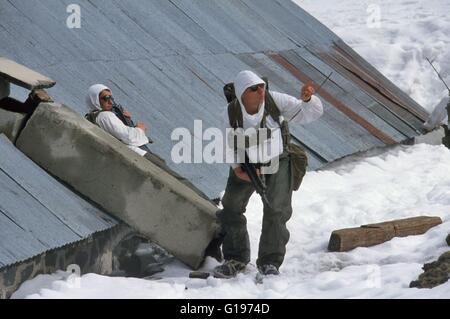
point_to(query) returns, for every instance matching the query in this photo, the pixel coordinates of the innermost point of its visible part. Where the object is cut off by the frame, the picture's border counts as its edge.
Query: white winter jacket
(133, 137)
(289, 106)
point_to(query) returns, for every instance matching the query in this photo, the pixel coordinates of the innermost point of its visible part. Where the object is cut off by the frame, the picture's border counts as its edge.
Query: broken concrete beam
(374, 234)
(125, 184)
(20, 75)
(10, 124)
(4, 88)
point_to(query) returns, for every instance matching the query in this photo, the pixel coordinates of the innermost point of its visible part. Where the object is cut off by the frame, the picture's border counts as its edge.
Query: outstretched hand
(241, 174)
(141, 126)
(126, 114)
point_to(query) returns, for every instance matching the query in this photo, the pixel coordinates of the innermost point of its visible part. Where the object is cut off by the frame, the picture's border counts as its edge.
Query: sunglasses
(254, 88)
(106, 98)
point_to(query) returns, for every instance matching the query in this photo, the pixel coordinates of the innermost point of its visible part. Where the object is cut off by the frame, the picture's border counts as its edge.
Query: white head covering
(93, 99)
(243, 81)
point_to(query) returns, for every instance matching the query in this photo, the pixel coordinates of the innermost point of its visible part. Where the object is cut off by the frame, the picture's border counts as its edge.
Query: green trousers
(274, 235)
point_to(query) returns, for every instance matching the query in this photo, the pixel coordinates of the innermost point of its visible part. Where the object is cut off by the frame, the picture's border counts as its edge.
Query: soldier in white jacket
(252, 108)
(100, 101)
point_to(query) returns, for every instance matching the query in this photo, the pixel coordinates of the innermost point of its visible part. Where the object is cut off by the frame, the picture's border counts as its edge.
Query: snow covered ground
(395, 36)
(404, 182)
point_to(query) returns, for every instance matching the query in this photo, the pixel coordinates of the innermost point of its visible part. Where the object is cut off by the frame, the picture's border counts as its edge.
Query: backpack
(92, 116)
(299, 160)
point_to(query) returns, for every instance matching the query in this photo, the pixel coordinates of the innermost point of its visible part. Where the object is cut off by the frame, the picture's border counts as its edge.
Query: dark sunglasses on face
(106, 98)
(254, 88)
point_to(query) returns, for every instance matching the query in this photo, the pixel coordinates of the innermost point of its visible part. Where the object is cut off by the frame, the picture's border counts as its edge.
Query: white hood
(93, 99)
(244, 80)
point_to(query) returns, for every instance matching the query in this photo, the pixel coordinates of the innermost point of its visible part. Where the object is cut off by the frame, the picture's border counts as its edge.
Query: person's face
(253, 97)
(105, 98)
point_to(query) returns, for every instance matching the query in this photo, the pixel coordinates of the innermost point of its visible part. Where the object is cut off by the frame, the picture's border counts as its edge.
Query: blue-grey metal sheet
(234, 24)
(152, 17)
(387, 86)
(167, 61)
(375, 85)
(387, 122)
(37, 213)
(301, 31)
(22, 208)
(306, 18)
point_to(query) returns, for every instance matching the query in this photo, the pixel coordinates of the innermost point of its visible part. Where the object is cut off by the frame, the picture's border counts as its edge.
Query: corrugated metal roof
(37, 213)
(167, 61)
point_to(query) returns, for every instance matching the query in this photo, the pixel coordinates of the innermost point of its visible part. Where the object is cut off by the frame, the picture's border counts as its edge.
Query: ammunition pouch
(299, 162)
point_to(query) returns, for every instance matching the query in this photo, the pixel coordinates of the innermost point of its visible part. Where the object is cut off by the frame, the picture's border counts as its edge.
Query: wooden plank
(22, 76)
(374, 234)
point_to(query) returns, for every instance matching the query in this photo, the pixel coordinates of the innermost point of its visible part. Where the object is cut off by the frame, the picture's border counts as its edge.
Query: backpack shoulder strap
(235, 114)
(272, 108)
(92, 116)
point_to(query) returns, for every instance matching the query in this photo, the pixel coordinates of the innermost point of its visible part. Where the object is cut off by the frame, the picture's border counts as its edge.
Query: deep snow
(404, 182)
(408, 31)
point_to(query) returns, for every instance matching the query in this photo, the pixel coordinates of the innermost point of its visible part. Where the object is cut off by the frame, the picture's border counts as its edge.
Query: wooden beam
(374, 234)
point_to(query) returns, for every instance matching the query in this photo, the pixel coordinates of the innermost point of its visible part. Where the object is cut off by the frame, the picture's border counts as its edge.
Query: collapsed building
(72, 194)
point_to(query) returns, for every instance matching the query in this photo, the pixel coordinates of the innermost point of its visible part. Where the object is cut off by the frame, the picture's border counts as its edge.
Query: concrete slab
(10, 124)
(125, 184)
(4, 88)
(22, 76)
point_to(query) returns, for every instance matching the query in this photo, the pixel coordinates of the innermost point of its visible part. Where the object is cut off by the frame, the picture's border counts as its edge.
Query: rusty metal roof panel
(379, 81)
(392, 126)
(376, 86)
(383, 117)
(37, 213)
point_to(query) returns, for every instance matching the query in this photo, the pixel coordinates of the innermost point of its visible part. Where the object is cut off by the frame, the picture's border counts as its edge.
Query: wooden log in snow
(374, 234)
